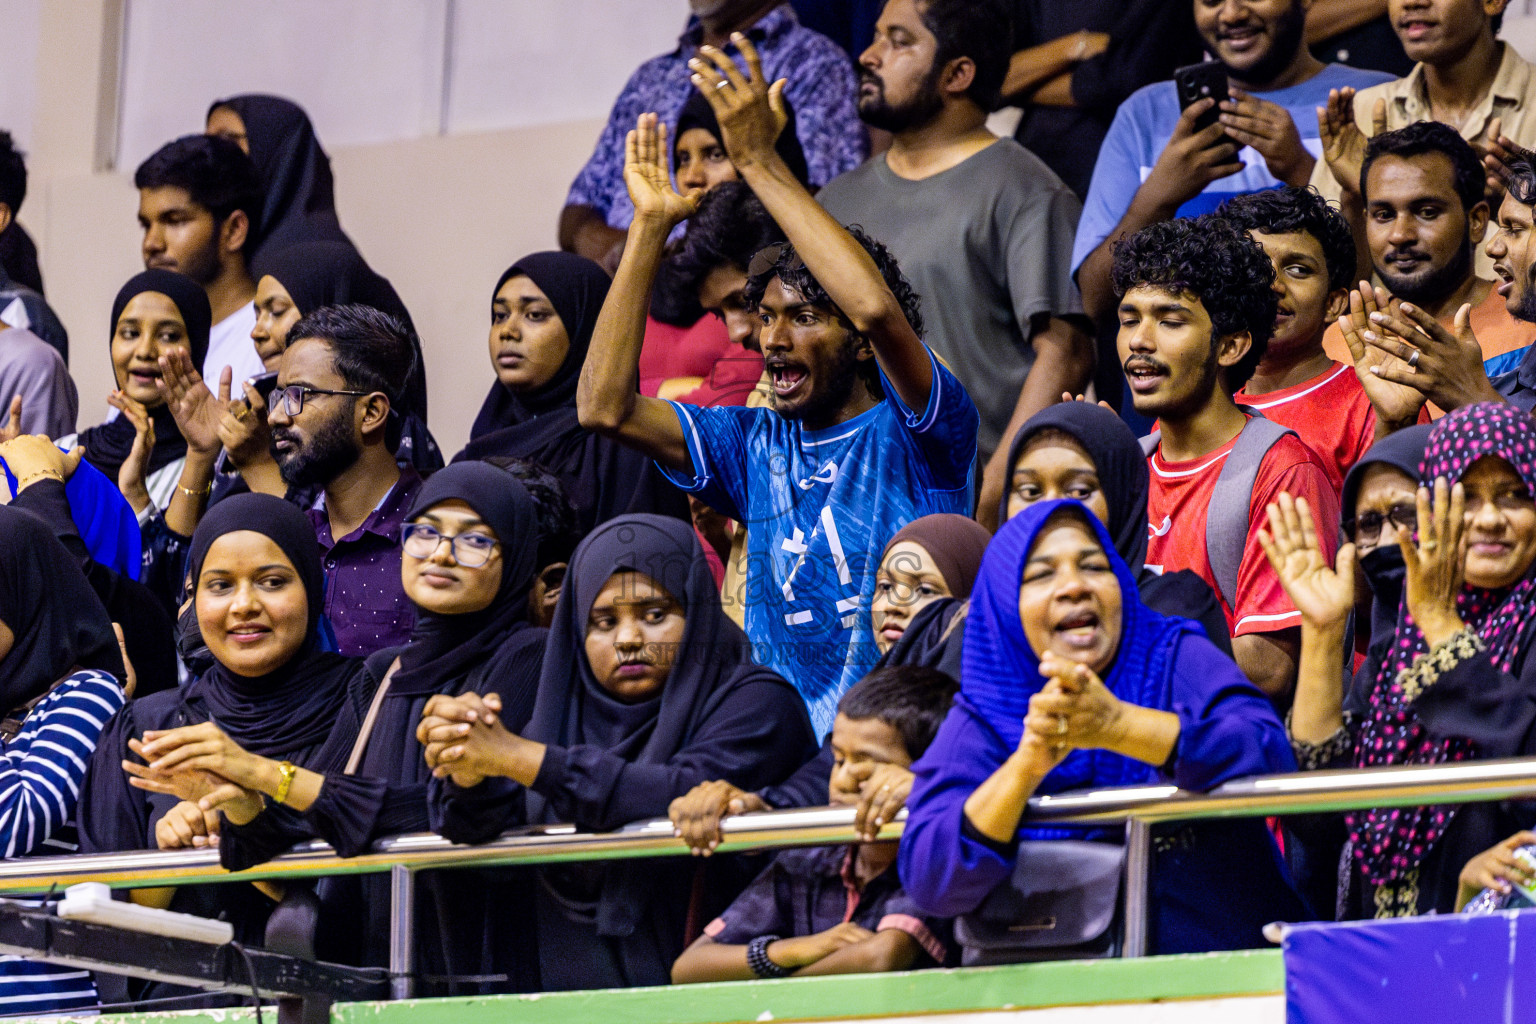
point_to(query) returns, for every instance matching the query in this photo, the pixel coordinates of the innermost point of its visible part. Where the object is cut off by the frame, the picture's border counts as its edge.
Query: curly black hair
(1520, 175)
(792, 271)
(1291, 209)
(1424, 137)
(559, 533)
(730, 226)
(1216, 262)
(911, 699)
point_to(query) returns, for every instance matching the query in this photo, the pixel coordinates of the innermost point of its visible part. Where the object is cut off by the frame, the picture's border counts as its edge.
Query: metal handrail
(1135, 807)
(1263, 796)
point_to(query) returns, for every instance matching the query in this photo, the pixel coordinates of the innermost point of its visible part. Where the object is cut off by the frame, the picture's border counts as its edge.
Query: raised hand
(1447, 368)
(1437, 561)
(1268, 128)
(196, 411)
(131, 476)
(1397, 405)
(647, 178)
(1343, 141)
(1497, 153)
(244, 431)
(750, 111)
(1324, 595)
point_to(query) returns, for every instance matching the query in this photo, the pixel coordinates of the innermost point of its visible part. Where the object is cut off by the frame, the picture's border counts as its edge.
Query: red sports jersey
(1329, 412)
(1177, 506)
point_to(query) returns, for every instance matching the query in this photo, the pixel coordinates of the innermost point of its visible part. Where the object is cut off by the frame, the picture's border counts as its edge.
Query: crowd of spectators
(1174, 439)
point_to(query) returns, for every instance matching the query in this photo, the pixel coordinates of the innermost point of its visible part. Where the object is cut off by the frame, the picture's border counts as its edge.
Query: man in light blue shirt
(866, 431)
(1154, 166)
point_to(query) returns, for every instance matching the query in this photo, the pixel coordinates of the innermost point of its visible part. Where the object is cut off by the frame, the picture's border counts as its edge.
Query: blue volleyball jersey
(819, 507)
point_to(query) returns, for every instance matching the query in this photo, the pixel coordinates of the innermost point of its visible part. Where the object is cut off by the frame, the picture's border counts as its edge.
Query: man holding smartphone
(1157, 164)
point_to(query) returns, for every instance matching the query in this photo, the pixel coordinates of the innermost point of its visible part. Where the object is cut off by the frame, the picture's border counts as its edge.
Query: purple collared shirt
(822, 90)
(364, 600)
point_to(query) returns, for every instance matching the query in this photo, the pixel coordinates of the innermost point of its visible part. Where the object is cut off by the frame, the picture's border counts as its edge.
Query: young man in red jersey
(1196, 312)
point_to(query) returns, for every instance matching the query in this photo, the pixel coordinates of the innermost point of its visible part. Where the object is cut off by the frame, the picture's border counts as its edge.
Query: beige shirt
(1511, 98)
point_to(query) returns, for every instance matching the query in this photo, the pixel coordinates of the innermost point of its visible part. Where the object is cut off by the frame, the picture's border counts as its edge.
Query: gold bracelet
(194, 495)
(289, 771)
(42, 474)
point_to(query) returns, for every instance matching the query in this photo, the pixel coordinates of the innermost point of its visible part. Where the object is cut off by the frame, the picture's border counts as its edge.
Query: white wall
(454, 128)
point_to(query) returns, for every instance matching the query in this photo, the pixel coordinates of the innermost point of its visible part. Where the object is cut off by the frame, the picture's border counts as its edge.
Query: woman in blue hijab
(1070, 682)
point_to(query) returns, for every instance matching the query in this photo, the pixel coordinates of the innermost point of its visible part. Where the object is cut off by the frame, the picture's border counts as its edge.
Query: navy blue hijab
(1000, 671)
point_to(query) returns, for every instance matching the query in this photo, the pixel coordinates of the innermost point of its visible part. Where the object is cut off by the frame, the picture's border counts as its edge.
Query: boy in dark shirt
(839, 910)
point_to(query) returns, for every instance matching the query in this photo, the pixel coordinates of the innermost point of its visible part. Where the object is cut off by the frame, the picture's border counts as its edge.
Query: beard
(201, 266)
(330, 452)
(1290, 31)
(835, 383)
(1525, 309)
(1430, 287)
(923, 107)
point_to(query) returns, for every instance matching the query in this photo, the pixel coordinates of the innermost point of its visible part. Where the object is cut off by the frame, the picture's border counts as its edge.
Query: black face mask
(189, 642)
(1385, 572)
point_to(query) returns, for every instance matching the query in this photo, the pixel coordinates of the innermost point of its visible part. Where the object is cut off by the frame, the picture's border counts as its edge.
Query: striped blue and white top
(40, 773)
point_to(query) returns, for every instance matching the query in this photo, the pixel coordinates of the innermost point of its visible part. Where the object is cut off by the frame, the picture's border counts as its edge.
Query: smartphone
(265, 384)
(1197, 81)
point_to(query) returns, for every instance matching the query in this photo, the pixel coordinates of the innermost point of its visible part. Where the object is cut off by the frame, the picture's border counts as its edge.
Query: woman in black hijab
(647, 689)
(300, 203)
(530, 412)
(700, 160)
(258, 590)
(472, 635)
(60, 667)
(1082, 450)
(155, 311)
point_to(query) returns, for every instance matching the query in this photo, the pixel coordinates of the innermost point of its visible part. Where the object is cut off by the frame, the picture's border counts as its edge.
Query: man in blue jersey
(1154, 166)
(866, 430)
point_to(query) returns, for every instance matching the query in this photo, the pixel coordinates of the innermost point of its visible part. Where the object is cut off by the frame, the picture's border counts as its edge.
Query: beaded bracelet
(758, 960)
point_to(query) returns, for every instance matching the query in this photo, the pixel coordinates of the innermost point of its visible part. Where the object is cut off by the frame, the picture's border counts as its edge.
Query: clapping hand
(1343, 141)
(1324, 595)
(1447, 368)
(1075, 709)
(1397, 405)
(196, 410)
(131, 476)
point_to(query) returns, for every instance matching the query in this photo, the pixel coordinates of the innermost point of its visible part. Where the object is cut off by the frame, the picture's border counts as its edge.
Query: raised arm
(607, 398)
(750, 115)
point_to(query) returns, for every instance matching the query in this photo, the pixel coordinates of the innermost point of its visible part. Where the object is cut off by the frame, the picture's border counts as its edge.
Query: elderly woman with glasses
(1448, 676)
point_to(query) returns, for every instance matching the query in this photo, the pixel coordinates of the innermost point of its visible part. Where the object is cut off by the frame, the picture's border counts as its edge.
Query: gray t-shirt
(987, 245)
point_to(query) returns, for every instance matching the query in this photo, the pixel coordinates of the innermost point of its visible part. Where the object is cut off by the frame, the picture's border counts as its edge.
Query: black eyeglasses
(1368, 524)
(292, 396)
(471, 550)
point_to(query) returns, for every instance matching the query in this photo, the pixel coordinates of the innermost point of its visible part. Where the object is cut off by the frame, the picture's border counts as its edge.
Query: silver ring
(1061, 725)
(722, 83)
(1413, 360)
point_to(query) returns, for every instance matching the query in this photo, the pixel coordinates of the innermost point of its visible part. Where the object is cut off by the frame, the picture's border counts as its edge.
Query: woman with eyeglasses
(1451, 679)
(469, 545)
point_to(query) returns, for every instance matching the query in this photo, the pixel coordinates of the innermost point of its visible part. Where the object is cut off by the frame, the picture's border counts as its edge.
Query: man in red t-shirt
(1296, 384)
(1196, 311)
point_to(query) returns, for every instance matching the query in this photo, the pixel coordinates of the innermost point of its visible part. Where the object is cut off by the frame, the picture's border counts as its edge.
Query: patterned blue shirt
(822, 90)
(820, 506)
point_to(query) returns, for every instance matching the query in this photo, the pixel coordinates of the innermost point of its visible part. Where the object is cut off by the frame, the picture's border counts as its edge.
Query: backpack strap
(1227, 517)
(1150, 442)
(366, 731)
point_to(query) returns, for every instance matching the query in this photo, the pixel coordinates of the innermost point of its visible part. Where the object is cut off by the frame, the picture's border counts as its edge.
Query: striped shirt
(40, 774)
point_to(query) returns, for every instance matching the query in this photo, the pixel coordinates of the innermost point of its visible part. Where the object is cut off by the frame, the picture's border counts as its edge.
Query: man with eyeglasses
(332, 430)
